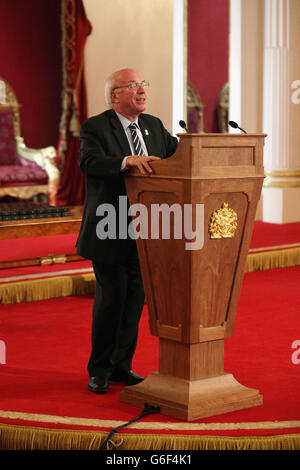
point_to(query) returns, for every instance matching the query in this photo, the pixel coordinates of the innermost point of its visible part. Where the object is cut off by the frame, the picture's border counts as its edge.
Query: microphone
(236, 126)
(183, 125)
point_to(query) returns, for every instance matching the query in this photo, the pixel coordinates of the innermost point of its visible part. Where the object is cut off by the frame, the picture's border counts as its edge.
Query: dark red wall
(208, 53)
(30, 60)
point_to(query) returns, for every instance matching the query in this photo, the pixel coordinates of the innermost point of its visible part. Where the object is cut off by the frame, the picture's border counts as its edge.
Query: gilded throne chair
(223, 109)
(24, 172)
(194, 110)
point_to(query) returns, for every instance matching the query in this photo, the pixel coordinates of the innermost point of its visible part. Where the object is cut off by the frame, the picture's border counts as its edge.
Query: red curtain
(75, 29)
(208, 36)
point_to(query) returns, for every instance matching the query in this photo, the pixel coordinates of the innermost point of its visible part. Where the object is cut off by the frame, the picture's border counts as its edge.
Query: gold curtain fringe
(40, 289)
(84, 284)
(273, 259)
(74, 123)
(30, 438)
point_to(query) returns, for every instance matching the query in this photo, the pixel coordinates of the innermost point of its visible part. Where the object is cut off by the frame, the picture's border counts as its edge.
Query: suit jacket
(103, 145)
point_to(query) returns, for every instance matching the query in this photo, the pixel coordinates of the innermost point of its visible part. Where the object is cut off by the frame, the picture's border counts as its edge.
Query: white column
(246, 67)
(179, 64)
(281, 111)
(235, 63)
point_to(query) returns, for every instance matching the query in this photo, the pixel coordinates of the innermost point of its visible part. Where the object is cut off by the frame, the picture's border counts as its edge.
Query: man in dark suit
(108, 149)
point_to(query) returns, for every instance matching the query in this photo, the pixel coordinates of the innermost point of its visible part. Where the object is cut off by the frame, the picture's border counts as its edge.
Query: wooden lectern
(192, 294)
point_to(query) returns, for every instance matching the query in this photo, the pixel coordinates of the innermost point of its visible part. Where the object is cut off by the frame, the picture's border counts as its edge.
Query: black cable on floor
(148, 410)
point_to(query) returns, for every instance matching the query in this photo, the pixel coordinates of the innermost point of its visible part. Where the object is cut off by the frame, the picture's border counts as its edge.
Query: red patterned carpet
(45, 403)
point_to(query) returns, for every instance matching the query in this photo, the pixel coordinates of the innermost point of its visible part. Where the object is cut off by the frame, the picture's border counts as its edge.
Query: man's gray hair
(109, 84)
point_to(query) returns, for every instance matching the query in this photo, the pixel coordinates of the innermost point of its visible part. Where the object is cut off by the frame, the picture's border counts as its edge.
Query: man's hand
(141, 162)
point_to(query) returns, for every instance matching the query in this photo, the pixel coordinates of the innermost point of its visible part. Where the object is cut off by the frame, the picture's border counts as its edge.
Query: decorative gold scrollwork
(223, 223)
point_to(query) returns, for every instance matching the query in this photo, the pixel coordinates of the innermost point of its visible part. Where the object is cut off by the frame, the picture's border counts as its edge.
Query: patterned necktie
(136, 141)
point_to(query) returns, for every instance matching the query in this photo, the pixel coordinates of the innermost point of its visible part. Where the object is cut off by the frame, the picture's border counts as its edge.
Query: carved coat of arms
(223, 222)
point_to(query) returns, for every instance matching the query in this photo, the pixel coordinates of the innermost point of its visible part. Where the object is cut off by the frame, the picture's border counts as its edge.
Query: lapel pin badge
(146, 132)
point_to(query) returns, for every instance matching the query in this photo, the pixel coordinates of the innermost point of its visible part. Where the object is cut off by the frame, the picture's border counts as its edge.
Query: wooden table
(41, 227)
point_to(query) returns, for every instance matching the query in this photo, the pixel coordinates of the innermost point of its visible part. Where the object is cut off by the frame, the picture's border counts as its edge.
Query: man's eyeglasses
(134, 85)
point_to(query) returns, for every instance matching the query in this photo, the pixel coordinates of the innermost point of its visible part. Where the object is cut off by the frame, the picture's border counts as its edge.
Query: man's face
(128, 101)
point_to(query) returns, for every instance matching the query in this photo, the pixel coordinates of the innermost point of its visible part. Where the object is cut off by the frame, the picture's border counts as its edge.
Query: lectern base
(190, 400)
